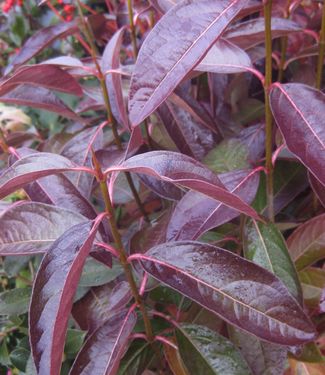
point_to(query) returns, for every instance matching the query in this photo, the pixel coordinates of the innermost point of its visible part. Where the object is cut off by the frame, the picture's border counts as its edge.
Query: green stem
(268, 113)
(111, 119)
(321, 53)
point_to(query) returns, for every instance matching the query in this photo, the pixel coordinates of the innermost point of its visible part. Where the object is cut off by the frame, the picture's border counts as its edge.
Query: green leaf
(19, 358)
(265, 246)
(229, 155)
(95, 273)
(310, 353)
(205, 352)
(74, 341)
(313, 281)
(136, 358)
(15, 301)
(4, 354)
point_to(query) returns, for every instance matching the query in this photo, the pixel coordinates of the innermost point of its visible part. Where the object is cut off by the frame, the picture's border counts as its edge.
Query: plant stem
(321, 53)
(268, 113)
(124, 262)
(111, 119)
(3, 143)
(284, 45)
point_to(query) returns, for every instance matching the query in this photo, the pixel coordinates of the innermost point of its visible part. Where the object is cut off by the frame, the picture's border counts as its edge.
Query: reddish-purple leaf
(48, 76)
(225, 57)
(173, 48)
(298, 112)
(251, 33)
(41, 39)
(100, 303)
(306, 244)
(32, 167)
(111, 60)
(102, 352)
(239, 291)
(78, 150)
(184, 171)
(164, 6)
(54, 288)
(253, 137)
(39, 97)
(31, 228)
(163, 189)
(195, 213)
(318, 188)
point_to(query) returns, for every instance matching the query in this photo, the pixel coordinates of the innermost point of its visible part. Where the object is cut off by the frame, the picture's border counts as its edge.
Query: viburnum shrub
(163, 188)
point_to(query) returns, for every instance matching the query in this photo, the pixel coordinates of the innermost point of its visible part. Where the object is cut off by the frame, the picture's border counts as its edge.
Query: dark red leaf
(54, 288)
(184, 171)
(318, 188)
(30, 228)
(195, 213)
(39, 97)
(173, 48)
(103, 350)
(41, 39)
(239, 291)
(251, 33)
(100, 303)
(48, 76)
(297, 110)
(111, 60)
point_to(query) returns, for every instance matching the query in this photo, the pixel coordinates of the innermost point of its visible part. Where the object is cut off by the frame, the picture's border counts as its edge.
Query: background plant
(162, 186)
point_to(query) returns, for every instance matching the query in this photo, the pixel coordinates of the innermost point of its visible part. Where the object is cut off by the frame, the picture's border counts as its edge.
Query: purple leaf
(254, 139)
(111, 60)
(184, 171)
(195, 214)
(38, 97)
(224, 58)
(318, 188)
(54, 288)
(103, 350)
(31, 228)
(100, 303)
(251, 33)
(173, 48)
(163, 189)
(48, 76)
(262, 357)
(297, 110)
(32, 167)
(306, 244)
(78, 150)
(41, 39)
(163, 6)
(237, 290)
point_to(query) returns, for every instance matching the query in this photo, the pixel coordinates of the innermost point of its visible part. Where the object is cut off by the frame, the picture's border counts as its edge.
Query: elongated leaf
(30, 168)
(54, 287)
(307, 243)
(225, 57)
(263, 357)
(185, 171)
(251, 33)
(15, 301)
(78, 150)
(265, 246)
(111, 60)
(239, 291)
(103, 350)
(318, 188)
(297, 111)
(39, 97)
(253, 137)
(195, 213)
(48, 76)
(313, 282)
(303, 368)
(175, 361)
(206, 352)
(31, 228)
(42, 39)
(176, 45)
(100, 303)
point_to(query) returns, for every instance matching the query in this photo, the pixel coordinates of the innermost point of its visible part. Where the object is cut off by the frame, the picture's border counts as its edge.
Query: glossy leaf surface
(102, 351)
(31, 228)
(307, 243)
(184, 171)
(175, 46)
(265, 246)
(54, 288)
(195, 213)
(296, 109)
(239, 291)
(15, 301)
(206, 352)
